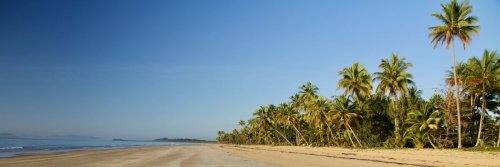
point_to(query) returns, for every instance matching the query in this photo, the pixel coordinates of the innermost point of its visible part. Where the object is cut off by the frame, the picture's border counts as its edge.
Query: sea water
(12, 147)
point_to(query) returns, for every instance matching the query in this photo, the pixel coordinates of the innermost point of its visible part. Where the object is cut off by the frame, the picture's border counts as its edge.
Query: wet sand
(197, 155)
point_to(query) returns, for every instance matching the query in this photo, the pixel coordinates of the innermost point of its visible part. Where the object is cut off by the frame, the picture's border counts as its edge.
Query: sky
(150, 69)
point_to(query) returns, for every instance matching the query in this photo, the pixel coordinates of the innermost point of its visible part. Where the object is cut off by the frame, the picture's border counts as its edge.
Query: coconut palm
(423, 120)
(344, 112)
(220, 136)
(456, 23)
(394, 79)
(317, 116)
(295, 116)
(308, 92)
(355, 80)
(264, 122)
(484, 73)
(291, 118)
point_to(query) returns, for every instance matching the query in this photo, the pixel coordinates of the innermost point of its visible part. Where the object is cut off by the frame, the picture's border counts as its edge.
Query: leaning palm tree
(484, 73)
(344, 112)
(317, 116)
(356, 81)
(393, 79)
(456, 23)
(291, 117)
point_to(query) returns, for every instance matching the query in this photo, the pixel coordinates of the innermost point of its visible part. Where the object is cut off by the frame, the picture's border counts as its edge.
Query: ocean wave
(10, 148)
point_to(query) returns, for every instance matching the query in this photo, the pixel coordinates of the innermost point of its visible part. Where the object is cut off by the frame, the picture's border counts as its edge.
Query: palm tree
(484, 73)
(286, 117)
(422, 121)
(344, 112)
(356, 81)
(264, 122)
(456, 22)
(241, 123)
(295, 116)
(308, 92)
(220, 136)
(316, 116)
(394, 79)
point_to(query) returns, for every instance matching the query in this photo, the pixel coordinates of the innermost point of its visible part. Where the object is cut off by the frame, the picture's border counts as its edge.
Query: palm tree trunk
(300, 134)
(457, 98)
(397, 135)
(329, 128)
(430, 141)
(331, 133)
(354, 134)
(498, 140)
(396, 125)
(483, 109)
(283, 137)
(349, 134)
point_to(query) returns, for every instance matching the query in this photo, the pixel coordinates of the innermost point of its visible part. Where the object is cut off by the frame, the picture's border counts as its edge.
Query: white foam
(10, 148)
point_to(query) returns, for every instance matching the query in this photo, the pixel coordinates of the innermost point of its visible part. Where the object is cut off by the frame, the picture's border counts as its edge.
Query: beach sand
(232, 155)
(333, 156)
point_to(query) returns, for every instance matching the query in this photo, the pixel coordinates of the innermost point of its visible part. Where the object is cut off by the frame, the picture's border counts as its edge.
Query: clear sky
(148, 69)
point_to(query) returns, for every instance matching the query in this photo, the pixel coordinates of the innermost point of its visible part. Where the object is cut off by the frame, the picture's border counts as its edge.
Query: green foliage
(362, 120)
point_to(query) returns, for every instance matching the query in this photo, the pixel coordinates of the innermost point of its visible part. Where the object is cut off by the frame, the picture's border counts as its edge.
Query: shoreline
(17, 147)
(62, 151)
(192, 155)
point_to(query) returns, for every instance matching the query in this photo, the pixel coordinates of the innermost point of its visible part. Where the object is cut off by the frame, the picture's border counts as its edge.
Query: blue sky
(148, 69)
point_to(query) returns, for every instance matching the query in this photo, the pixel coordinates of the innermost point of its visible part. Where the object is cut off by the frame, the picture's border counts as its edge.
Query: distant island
(71, 137)
(8, 136)
(119, 140)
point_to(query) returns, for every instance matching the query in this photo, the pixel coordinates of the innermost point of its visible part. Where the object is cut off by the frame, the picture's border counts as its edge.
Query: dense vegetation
(185, 140)
(394, 115)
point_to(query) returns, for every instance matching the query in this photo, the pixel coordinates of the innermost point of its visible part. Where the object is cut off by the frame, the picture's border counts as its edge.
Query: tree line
(393, 114)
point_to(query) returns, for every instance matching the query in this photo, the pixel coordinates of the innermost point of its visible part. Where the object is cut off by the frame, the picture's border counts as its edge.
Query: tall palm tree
(393, 79)
(456, 23)
(344, 112)
(484, 73)
(308, 91)
(356, 81)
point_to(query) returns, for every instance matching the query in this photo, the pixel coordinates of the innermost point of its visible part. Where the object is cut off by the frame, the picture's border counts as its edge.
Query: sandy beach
(197, 155)
(332, 156)
(237, 155)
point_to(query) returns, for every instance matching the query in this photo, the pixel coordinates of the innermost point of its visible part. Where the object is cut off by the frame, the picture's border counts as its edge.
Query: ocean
(13, 147)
